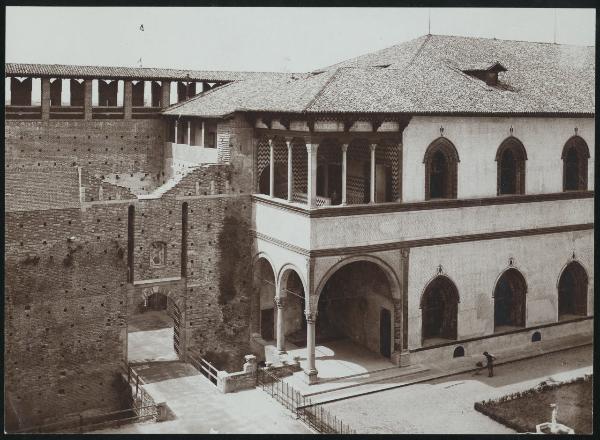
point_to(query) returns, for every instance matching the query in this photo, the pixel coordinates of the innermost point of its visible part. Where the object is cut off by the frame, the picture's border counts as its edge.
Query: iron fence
(316, 416)
(205, 367)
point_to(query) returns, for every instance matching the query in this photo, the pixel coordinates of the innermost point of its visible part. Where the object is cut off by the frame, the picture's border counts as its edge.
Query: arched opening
(458, 352)
(572, 292)
(153, 326)
(294, 306)
(263, 315)
(511, 157)
(280, 181)
(575, 164)
(510, 301)
(439, 311)
(441, 168)
(356, 304)
(536, 337)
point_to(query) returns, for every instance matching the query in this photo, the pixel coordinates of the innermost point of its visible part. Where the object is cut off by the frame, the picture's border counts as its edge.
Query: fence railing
(316, 416)
(205, 367)
(141, 400)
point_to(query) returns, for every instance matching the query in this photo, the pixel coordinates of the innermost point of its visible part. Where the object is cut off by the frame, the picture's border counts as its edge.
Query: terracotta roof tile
(425, 75)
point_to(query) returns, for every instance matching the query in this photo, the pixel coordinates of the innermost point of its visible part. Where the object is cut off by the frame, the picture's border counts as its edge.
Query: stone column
(202, 135)
(95, 93)
(120, 93)
(36, 91)
(271, 168)
(176, 123)
(279, 303)
(189, 132)
(165, 95)
(344, 173)
(311, 193)
(87, 99)
(290, 176)
(127, 99)
(46, 98)
(147, 93)
(7, 91)
(311, 370)
(372, 198)
(65, 92)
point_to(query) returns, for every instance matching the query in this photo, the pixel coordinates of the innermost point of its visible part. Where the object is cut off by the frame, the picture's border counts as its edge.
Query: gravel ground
(445, 406)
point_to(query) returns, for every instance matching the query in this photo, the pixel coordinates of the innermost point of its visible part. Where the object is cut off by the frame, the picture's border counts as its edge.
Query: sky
(262, 39)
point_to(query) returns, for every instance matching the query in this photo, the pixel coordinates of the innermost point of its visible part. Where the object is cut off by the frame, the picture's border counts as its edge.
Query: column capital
(270, 140)
(372, 147)
(312, 148)
(405, 252)
(344, 147)
(288, 142)
(279, 302)
(311, 316)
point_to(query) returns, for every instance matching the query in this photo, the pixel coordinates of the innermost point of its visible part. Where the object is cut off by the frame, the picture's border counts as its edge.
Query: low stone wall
(511, 340)
(246, 379)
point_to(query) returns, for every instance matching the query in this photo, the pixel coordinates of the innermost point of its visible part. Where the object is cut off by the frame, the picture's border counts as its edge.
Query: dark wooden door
(267, 324)
(385, 333)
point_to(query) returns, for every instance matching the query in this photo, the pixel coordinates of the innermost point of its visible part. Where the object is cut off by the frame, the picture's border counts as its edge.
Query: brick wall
(65, 319)
(101, 146)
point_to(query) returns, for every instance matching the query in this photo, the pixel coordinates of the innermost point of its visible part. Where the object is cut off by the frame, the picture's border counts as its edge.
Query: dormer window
(383, 66)
(487, 72)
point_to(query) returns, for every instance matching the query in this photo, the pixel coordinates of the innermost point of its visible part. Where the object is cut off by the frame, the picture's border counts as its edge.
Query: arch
(264, 183)
(265, 256)
(441, 170)
(510, 157)
(439, 310)
(284, 273)
(510, 300)
(262, 313)
(536, 337)
(458, 352)
(572, 289)
(575, 157)
(388, 270)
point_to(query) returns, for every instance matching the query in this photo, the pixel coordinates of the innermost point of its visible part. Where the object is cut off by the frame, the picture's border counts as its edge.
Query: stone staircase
(168, 185)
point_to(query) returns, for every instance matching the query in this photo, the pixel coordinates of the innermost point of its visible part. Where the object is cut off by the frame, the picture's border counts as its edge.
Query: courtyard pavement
(197, 407)
(150, 337)
(445, 406)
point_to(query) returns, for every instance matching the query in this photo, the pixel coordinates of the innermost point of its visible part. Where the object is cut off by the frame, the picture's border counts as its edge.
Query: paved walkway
(197, 407)
(445, 406)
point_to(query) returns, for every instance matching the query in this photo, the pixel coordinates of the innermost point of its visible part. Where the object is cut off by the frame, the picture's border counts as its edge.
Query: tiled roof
(106, 72)
(425, 75)
(38, 189)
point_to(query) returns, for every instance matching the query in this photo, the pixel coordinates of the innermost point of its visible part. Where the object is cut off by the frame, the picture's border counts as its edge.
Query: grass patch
(524, 410)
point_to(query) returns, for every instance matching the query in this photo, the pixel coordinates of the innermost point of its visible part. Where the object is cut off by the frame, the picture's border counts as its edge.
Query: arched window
(510, 300)
(441, 167)
(511, 157)
(575, 157)
(439, 310)
(572, 291)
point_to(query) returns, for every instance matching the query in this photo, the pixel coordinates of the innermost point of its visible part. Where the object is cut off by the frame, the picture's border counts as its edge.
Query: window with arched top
(572, 291)
(510, 301)
(575, 157)
(511, 157)
(439, 311)
(441, 170)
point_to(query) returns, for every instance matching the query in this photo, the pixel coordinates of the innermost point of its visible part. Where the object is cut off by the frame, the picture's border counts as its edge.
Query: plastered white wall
(477, 139)
(475, 267)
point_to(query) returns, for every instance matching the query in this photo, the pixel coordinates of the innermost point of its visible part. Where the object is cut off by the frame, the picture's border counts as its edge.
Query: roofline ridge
(506, 39)
(321, 90)
(148, 68)
(194, 98)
